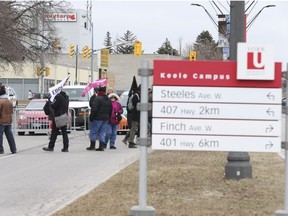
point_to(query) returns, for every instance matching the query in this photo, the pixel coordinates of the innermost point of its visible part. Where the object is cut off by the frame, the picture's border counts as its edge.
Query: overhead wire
(220, 3)
(213, 7)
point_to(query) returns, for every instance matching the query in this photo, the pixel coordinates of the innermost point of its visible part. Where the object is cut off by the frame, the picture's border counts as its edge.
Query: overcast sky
(154, 21)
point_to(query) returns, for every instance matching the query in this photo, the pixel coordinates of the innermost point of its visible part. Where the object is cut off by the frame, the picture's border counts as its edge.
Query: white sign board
(216, 111)
(203, 106)
(216, 127)
(217, 94)
(215, 143)
(255, 62)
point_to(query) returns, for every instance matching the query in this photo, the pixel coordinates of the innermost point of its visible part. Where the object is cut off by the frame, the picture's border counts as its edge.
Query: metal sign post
(284, 212)
(142, 209)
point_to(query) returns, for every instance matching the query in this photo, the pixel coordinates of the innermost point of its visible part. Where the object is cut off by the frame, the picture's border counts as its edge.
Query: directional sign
(216, 127)
(216, 111)
(215, 143)
(217, 94)
(200, 105)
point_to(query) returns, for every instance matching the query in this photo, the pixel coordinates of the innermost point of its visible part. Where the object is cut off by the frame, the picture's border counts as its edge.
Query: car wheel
(32, 132)
(21, 133)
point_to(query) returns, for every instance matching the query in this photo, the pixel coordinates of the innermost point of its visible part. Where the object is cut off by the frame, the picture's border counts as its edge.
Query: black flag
(134, 86)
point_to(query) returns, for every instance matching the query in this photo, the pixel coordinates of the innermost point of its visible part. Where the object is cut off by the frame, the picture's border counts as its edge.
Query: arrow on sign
(270, 96)
(269, 129)
(269, 145)
(270, 112)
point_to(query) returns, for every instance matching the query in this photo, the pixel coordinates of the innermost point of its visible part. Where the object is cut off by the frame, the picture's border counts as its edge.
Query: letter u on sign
(255, 61)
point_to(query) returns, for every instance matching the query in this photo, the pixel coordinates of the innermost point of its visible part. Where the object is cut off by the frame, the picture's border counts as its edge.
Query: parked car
(123, 125)
(33, 119)
(79, 105)
(12, 96)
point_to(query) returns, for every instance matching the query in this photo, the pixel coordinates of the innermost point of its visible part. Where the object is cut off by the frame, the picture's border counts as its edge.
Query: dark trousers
(54, 134)
(9, 135)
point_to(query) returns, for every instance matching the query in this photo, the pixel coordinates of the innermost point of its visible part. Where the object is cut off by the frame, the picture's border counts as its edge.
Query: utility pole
(238, 166)
(76, 66)
(89, 19)
(92, 54)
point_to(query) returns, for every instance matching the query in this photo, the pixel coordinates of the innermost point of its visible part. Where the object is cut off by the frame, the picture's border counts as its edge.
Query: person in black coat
(101, 108)
(59, 106)
(135, 118)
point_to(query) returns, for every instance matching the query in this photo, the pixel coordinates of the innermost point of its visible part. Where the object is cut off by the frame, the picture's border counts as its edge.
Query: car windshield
(75, 94)
(36, 105)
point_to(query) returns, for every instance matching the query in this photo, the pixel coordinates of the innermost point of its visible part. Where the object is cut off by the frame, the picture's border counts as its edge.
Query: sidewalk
(52, 180)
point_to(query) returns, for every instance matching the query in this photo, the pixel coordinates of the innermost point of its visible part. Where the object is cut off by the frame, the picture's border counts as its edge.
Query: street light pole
(92, 53)
(89, 18)
(238, 166)
(254, 18)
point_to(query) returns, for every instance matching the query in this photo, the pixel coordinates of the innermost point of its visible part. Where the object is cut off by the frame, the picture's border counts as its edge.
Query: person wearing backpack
(114, 120)
(135, 116)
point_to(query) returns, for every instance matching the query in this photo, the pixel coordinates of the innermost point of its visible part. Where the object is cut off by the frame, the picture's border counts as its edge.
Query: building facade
(74, 28)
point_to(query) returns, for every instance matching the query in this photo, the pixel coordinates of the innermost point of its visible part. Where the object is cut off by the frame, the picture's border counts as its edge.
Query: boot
(132, 145)
(101, 147)
(92, 146)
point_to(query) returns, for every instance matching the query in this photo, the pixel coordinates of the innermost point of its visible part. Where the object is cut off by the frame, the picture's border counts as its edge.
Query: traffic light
(137, 48)
(39, 71)
(47, 71)
(88, 55)
(56, 43)
(71, 50)
(85, 52)
(193, 56)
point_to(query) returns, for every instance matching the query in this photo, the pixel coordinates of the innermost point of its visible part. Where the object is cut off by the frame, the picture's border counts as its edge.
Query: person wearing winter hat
(101, 108)
(114, 120)
(6, 111)
(109, 91)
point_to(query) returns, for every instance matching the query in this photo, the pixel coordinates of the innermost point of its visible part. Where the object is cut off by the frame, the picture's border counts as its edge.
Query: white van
(79, 104)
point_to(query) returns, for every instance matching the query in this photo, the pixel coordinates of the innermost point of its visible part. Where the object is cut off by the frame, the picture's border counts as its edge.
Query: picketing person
(59, 106)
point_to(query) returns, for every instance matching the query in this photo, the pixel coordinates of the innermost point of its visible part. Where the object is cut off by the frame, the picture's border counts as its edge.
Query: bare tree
(186, 50)
(26, 33)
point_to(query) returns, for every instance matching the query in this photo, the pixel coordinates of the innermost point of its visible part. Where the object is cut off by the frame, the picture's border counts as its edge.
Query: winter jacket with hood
(101, 108)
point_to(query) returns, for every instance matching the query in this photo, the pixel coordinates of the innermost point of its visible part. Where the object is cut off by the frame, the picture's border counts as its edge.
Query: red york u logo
(255, 61)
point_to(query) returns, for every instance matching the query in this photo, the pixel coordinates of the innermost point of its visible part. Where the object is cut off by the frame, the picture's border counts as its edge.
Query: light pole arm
(213, 20)
(254, 18)
(126, 43)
